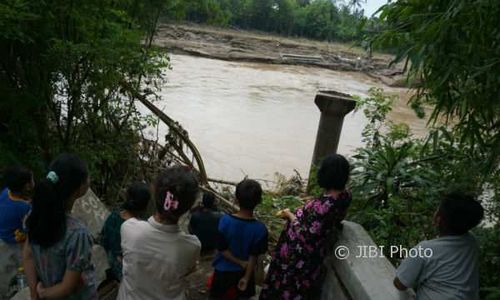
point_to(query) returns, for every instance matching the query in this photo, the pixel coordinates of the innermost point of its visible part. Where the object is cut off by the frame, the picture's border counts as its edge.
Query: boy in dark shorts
(449, 270)
(241, 240)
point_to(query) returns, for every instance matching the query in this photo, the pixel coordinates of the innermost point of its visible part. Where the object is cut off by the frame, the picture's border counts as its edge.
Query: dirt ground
(197, 280)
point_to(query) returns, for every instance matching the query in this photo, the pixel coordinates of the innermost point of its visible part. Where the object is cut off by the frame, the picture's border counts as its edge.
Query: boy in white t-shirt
(157, 255)
(449, 270)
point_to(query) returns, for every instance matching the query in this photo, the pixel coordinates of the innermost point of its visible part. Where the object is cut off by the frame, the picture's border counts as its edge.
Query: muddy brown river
(257, 119)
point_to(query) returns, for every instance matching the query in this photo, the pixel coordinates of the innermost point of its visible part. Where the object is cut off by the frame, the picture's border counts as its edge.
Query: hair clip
(170, 202)
(52, 177)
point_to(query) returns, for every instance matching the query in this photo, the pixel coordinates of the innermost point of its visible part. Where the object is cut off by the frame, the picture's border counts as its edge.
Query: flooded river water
(257, 119)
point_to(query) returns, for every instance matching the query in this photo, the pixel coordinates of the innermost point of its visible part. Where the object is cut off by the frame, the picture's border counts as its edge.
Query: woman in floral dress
(296, 261)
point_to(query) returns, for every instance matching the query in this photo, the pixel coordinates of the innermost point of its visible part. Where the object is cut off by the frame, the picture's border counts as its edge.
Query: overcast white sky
(371, 6)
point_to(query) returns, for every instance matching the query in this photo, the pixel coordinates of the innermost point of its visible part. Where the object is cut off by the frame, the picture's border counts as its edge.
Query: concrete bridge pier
(333, 106)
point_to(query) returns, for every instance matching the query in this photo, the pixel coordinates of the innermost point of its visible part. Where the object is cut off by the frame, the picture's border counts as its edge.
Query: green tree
(63, 69)
(321, 16)
(349, 24)
(453, 48)
(398, 180)
(283, 17)
(318, 19)
(260, 12)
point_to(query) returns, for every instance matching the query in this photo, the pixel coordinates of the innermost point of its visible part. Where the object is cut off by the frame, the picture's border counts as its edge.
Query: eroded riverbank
(244, 46)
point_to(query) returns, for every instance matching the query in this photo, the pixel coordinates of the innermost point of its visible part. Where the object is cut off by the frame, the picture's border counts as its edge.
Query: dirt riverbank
(237, 45)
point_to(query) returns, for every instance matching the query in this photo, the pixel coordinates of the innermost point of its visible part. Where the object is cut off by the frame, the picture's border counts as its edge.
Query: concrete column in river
(333, 106)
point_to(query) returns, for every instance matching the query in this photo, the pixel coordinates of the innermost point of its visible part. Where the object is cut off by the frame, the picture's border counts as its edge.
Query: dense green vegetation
(316, 19)
(453, 49)
(63, 69)
(398, 179)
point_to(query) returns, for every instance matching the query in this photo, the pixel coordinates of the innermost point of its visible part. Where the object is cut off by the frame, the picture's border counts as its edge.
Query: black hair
(460, 212)
(208, 200)
(47, 221)
(180, 182)
(248, 194)
(16, 178)
(138, 196)
(333, 172)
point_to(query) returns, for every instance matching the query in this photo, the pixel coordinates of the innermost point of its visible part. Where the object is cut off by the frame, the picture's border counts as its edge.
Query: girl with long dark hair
(57, 253)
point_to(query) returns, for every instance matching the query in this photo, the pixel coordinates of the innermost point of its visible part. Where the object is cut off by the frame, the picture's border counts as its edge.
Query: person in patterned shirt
(57, 253)
(296, 261)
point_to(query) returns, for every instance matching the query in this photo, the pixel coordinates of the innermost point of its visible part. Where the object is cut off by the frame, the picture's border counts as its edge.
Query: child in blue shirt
(241, 240)
(14, 204)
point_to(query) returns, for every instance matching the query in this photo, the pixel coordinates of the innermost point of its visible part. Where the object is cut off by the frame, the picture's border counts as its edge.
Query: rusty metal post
(333, 106)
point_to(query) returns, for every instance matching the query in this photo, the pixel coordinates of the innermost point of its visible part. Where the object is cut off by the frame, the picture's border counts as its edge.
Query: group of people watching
(151, 256)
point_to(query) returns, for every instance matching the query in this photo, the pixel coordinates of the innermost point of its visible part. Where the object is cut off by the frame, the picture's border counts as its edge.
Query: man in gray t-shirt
(446, 268)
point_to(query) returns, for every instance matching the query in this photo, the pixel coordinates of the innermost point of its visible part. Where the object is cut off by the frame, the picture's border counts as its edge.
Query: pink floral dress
(296, 261)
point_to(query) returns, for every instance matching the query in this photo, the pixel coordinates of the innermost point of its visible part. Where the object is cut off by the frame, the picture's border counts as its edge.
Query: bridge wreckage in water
(179, 149)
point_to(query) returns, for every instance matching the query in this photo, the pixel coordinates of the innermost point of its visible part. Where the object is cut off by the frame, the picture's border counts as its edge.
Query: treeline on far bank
(316, 19)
